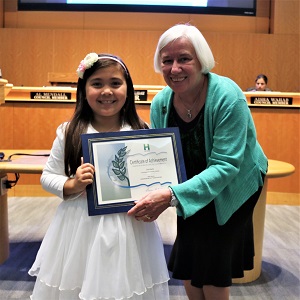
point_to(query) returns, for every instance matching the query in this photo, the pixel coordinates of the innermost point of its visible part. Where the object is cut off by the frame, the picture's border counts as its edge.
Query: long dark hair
(83, 114)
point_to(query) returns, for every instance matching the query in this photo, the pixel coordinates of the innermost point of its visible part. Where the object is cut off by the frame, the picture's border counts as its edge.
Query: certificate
(130, 164)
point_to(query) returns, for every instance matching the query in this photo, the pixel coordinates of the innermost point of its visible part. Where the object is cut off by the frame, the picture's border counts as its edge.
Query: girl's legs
(208, 292)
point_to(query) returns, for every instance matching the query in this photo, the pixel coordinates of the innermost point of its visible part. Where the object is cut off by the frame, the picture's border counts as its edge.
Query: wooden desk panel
(278, 132)
(269, 96)
(30, 124)
(19, 164)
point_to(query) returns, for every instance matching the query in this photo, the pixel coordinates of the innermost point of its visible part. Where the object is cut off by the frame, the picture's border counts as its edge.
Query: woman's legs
(208, 292)
(215, 293)
(192, 292)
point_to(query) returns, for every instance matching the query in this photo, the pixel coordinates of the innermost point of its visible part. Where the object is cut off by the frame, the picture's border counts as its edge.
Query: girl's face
(260, 84)
(106, 92)
(180, 66)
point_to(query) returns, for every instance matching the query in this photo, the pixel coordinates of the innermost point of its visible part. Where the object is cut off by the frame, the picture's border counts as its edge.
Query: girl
(106, 256)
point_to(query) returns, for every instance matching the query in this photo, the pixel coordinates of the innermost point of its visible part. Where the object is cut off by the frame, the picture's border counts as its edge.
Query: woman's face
(260, 84)
(180, 66)
(106, 91)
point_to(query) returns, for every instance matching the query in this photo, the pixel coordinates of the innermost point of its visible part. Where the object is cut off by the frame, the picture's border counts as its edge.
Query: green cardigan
(234, 157)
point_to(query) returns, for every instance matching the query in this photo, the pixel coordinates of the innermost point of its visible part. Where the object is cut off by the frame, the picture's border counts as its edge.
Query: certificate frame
(129, 164)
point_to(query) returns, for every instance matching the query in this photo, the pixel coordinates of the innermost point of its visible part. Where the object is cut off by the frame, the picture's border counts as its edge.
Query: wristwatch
(174, 201)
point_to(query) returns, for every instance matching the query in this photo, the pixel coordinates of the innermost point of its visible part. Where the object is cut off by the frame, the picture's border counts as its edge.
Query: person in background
(224, 162)
(261, 83)
(110, 256)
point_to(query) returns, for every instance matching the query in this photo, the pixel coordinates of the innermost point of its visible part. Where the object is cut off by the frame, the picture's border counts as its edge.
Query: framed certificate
(130, 164)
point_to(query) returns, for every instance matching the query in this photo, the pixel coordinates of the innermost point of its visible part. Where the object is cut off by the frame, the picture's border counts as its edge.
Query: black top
(192, 139)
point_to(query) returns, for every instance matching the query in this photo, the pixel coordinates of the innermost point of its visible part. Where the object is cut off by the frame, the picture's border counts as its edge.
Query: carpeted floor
(280, 278)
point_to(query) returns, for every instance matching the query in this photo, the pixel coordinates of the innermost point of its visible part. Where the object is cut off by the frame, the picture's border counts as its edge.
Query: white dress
(95, 257)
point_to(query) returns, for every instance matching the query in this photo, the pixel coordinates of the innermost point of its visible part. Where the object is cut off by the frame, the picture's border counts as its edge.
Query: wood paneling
(278, 131)
(33, 126)
(7, 126)
(286, 16)
(35, 43)
(28, 55)
(1, 14)
(144, 111)
(36, 124)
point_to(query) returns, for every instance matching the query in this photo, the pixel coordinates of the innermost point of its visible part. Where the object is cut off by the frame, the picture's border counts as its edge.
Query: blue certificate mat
(130, 164)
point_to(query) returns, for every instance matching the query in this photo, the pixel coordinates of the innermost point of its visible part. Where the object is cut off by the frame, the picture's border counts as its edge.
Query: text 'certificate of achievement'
(130, 164)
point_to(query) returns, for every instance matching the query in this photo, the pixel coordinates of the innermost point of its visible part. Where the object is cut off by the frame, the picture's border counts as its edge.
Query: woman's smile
(178, 79)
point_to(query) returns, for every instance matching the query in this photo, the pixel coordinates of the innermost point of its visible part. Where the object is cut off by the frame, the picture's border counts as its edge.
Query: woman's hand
(149, 207)
(83, 177)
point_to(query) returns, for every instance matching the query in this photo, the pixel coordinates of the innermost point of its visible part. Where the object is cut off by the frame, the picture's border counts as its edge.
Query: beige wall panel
(144, 112)
(27, 179)
(21, 126)
(241, 57)
(286, 16)
(28, 190)
(93, 41)
(50, 20)
(132, 21)
(7, 126)
(262, 25)
(37, 123)
(11, 20)
(240, 54)
(225, 23)
(34, 128)
(68, 49)
(282, 60)
(26, 53)
(1, 14)
(137, 51)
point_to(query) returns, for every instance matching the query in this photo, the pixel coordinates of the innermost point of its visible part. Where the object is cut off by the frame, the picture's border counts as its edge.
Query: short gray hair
(202, 49)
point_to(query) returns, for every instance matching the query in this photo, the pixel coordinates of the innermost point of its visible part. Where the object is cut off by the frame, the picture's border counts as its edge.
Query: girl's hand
(83, 177)
(149, 207)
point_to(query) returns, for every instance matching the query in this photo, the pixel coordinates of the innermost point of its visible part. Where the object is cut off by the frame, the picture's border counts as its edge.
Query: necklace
(189, 110)
(112, 129)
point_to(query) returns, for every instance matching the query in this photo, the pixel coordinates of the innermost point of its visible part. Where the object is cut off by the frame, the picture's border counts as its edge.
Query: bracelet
(174, 201)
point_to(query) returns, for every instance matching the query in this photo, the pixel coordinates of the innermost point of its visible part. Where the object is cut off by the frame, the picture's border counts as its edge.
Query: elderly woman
(224, 162)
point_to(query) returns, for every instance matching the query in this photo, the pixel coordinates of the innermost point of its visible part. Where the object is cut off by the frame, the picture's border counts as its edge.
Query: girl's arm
(54, 179)
(83, 177)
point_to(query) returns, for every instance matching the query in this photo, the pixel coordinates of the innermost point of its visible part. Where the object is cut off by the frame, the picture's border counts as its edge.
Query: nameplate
(50, 96)
(140, 95)
(272, 100)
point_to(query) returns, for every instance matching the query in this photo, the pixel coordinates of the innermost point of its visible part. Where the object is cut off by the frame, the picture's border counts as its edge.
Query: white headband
(90, 59)
(115, 59)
